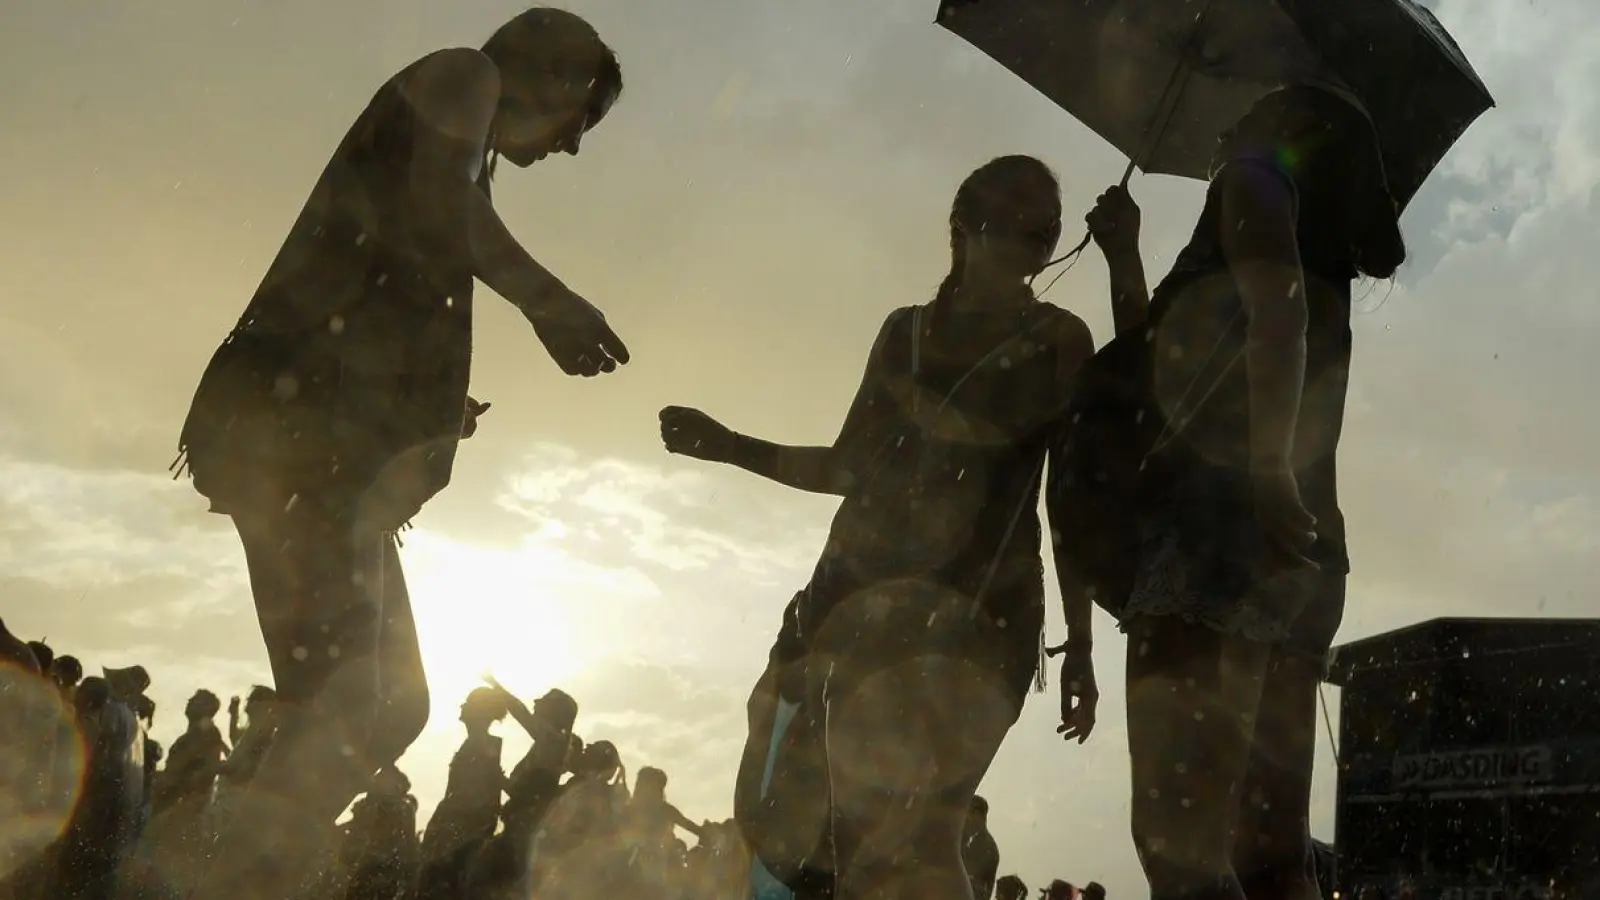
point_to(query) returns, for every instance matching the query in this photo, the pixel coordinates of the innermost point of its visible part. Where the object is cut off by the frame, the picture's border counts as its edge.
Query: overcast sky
(776, 178)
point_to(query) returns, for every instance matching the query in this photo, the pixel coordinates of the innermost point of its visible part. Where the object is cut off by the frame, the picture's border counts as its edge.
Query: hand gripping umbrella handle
(1127, 174)
(1158, 127)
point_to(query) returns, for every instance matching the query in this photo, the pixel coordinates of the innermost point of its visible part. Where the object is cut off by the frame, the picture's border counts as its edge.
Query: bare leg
(402, 681)
(1192, 695)
(908, 745)
(1272, 850)
(318, 584)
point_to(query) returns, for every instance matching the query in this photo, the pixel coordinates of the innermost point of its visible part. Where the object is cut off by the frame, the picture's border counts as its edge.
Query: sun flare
(488, 611)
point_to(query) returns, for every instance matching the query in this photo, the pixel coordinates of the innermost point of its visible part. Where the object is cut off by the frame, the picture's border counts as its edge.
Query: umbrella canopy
(1416, 83)
(1162, 79)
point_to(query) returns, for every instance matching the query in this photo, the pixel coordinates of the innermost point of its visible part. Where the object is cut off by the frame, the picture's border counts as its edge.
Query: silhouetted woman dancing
(332, 412)
(1240, 577)
(921, 626)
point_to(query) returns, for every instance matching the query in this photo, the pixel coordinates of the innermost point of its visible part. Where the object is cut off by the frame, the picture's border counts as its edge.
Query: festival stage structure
(1469, 760)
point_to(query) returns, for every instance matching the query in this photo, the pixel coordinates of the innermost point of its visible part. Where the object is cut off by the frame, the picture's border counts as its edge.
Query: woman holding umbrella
(920, 628)
(333, 410)
(1241, 563)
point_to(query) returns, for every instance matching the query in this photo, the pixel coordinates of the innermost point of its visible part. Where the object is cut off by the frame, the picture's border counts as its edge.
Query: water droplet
(1199, 715)
(361, 238)
(300, 654)
(293, 499)
(1181, 768)
(285, 386)
(382, 277)
(333, 651)
(336, 324)
(1155, 794)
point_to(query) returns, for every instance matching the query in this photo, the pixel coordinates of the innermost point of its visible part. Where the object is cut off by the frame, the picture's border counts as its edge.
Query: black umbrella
(1162, 79)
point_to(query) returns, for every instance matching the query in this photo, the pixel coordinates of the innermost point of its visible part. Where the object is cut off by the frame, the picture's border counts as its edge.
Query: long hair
(1338, 161)
(987, 200)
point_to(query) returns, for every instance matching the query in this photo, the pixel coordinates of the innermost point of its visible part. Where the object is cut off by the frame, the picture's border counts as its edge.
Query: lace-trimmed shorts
(1202, 559)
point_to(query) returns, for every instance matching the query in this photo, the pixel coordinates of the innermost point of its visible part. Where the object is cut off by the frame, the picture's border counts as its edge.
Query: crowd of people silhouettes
(1191, 497)
(114, 814)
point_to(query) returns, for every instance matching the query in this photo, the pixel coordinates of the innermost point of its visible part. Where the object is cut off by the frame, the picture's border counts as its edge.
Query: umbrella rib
(1152, 134)
(1170, 96)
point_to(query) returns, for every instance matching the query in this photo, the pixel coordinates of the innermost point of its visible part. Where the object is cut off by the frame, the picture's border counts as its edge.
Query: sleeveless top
(355, 350)
(1199, 374)
(947, 484)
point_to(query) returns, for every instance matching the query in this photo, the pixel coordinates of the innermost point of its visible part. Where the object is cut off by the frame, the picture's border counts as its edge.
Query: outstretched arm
(454, 95)
(819, 469)
(521, 713)
(682, 821)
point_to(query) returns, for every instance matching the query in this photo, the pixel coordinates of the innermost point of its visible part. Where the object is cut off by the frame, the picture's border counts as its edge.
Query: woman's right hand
(690, 432)
(1289, 528)
(577, 337)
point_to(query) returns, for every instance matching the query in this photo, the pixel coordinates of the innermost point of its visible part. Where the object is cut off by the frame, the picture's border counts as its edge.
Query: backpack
(1101, 452)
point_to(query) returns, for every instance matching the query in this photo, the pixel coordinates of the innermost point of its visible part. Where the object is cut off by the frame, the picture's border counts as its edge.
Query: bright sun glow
(493, 610)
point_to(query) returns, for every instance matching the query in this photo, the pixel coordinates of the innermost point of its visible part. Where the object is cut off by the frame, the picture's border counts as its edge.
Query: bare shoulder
(898, 318)
(455, 90)
(1066, 332)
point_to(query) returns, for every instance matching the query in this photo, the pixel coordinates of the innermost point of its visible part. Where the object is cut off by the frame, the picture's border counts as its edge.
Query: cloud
(119, 567)
(670, 518)
(747, 249)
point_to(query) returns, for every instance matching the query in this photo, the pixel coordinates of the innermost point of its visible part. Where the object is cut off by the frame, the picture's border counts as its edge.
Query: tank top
(948, 488)
(356, 346)
(1198, 330)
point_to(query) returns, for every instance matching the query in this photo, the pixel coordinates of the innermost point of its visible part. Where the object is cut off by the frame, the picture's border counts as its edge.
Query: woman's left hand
(1079, 694)
(1114, 222)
